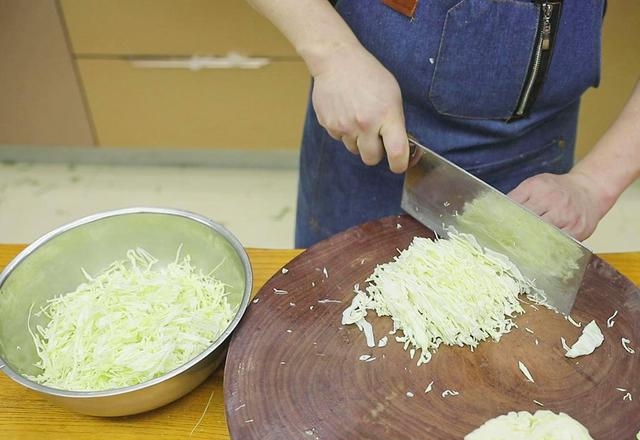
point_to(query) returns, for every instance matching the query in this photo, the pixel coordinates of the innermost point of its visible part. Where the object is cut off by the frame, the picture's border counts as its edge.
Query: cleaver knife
(440, 195)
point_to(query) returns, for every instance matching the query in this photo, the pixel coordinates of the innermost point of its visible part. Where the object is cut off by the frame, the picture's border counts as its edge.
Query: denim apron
(462, 67)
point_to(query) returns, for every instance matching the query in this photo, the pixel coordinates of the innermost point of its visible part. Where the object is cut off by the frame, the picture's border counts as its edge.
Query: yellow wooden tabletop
(24, 414)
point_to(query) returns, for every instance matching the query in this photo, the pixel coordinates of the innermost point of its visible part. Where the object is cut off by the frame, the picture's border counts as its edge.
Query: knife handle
(414, 152)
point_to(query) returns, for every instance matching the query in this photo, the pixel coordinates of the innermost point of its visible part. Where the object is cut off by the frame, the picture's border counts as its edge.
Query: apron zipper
(541, 58)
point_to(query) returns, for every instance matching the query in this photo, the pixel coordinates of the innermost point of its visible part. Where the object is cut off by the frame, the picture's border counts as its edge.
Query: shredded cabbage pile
(530, 241)
(444, 291)
(129, 324)
(522, 425)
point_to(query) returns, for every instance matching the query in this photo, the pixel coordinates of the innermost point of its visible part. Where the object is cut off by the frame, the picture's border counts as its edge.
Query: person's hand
(359, 102)
(568, 201)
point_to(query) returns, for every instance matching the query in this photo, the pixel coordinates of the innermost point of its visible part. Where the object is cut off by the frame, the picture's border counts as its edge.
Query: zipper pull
(547, 11)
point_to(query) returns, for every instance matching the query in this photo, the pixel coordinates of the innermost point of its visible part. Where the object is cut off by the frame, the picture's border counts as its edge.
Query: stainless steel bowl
(51, 266)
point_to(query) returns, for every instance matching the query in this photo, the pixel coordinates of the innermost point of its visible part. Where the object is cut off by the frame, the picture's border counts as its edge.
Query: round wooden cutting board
(294, 372)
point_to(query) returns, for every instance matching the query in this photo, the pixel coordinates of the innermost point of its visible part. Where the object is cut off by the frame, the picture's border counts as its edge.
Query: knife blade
(441, 195)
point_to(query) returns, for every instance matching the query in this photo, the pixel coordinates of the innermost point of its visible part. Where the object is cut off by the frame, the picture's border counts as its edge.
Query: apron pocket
(483, 59)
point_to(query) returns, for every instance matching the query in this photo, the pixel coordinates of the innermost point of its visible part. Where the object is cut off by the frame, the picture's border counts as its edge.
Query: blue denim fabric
(460, 66)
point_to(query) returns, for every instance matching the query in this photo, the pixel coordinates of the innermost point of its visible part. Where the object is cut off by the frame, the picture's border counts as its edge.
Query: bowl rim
(220, 340)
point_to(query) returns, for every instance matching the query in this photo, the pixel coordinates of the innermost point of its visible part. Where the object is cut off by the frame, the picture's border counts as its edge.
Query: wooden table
(26, 415)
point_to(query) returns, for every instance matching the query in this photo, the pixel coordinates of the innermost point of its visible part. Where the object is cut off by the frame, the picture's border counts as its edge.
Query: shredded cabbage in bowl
(129, 324)
(444, 291)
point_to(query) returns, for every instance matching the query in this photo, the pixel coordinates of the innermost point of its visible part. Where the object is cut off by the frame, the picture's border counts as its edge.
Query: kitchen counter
(24, 414)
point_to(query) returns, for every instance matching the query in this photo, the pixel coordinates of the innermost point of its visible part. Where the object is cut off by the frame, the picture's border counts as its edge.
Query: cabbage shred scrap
(590, 339)
(449, 291)
(129, 324)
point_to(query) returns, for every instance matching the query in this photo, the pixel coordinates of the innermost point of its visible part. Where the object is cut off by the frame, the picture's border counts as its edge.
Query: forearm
(356, 99)
(313, 27)
(614, 162)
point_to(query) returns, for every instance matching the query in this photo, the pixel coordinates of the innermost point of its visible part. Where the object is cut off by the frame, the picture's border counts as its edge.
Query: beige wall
(620, 71)
(40, 98)
(135, 103)
(57, 53)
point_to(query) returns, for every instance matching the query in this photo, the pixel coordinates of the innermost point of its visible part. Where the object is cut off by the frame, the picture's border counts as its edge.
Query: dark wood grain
(293, 371)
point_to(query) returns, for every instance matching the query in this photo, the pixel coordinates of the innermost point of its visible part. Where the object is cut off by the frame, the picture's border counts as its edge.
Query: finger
(526, 195)
(574, 232)
(520, 194)
(351, 144)
(539, 209)
(396, 144)
(335, 134)
(370, 148)
(557, 220)
(574, 226)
